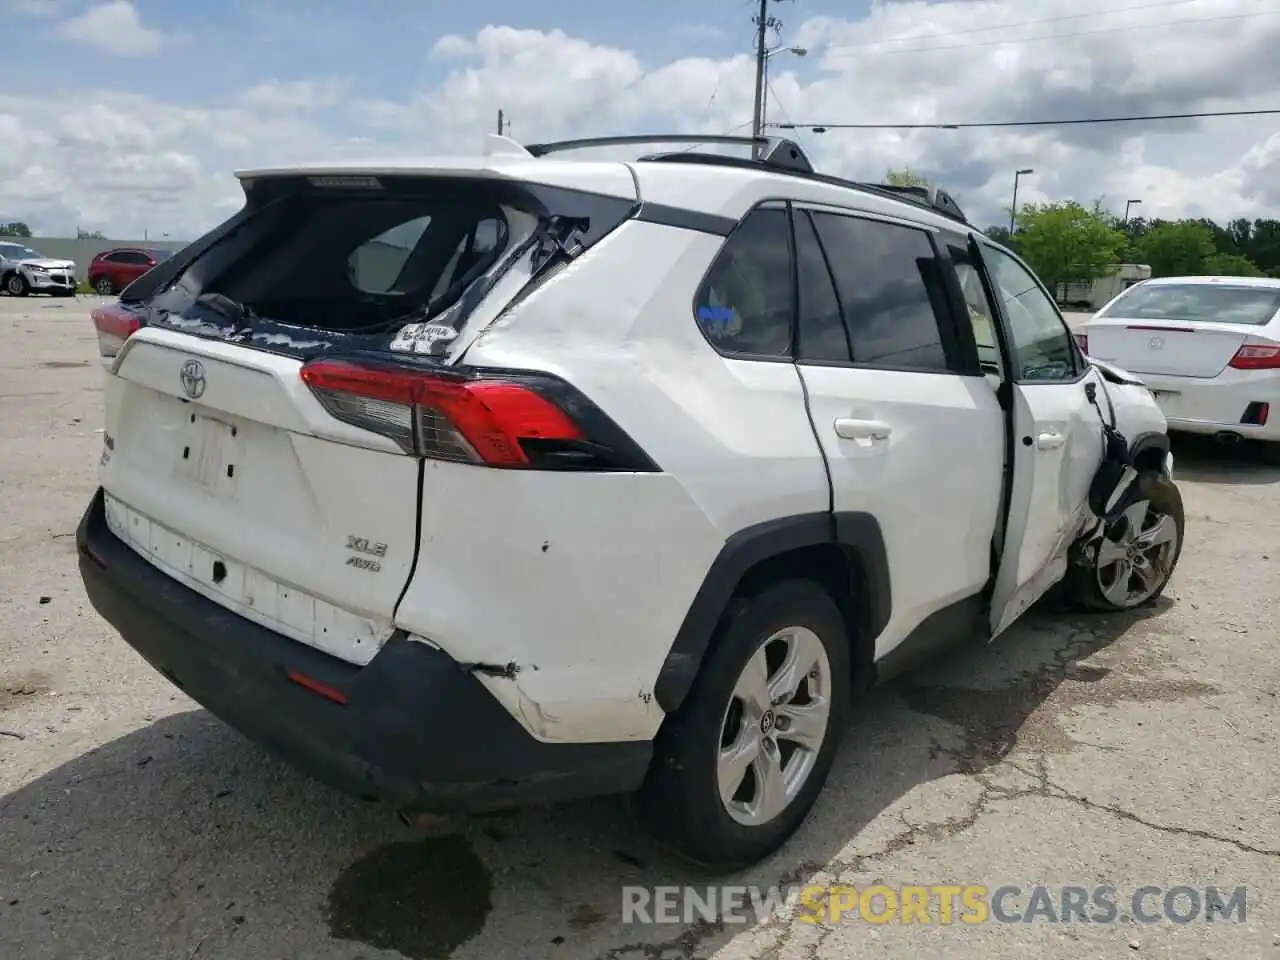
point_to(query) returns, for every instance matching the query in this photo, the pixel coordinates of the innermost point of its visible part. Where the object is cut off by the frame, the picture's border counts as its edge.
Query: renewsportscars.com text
(934, 904)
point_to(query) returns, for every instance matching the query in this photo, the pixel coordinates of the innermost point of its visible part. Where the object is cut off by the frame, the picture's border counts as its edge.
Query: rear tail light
(1257, 355)
(494, 421)
(1082, 341)
(114, 323)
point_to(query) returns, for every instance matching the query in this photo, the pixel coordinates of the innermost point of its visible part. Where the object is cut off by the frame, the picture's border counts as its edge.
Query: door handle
(1050, 441)
(849, 428)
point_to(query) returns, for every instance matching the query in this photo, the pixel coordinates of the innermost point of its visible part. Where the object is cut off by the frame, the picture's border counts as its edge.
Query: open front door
(1057, 437)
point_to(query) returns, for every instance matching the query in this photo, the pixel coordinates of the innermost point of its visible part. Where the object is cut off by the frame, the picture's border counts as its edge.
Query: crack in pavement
(992, 722)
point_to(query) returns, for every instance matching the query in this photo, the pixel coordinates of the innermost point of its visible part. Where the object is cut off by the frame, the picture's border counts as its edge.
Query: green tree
(82, 234)
(1000, 234)
(1231, 265)
(904, 178)
(15, 228)
(1065, 241)
(1177, 248)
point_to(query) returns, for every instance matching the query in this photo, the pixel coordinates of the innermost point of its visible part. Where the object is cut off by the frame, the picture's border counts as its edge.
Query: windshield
(16, 251)
(1197, 302)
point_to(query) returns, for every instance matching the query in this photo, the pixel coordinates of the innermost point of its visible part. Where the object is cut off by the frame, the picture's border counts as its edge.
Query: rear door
(132, 265)
(1057, 434)
(912, 432)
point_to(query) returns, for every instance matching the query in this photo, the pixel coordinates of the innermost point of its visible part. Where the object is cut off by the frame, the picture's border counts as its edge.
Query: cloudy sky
(128, 116)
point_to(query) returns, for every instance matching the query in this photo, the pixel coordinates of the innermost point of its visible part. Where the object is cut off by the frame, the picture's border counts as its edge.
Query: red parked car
(113, 270)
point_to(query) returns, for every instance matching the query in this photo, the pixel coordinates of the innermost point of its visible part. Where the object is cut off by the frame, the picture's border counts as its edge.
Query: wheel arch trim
(858, 533)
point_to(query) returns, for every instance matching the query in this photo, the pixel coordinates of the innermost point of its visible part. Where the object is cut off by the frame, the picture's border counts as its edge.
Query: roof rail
(932, 196)
(774, 152)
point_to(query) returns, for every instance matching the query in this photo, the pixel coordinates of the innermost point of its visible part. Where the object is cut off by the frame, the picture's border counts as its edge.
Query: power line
(1008, 26)
(1053, 36)
(822, 127)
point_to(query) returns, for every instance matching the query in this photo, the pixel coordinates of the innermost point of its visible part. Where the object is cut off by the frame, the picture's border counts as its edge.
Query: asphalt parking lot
(1078, 751)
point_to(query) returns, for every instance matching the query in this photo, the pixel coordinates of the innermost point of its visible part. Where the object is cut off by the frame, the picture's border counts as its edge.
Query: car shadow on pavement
(183, 840)
(1205, 460)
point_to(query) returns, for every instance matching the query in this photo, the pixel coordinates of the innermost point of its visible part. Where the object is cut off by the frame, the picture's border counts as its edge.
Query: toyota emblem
(1156, 343)
(193, 379)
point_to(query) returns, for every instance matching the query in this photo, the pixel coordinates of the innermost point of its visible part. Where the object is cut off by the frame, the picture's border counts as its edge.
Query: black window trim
(948, 333)
(980, 245)
(835, 292)
(959, 306)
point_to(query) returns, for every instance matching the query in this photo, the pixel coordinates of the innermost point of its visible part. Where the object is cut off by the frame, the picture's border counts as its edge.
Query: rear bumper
(417, 730)
(1223, 403)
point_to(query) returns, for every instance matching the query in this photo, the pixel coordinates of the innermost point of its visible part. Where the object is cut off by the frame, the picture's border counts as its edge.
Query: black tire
(16, 285)
(104, 286)
(1083, 585)
(680, 802)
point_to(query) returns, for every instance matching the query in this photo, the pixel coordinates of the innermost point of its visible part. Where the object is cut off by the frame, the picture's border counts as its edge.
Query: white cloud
(452, 47)
(114, 27)
(912, 61)
(315, 94)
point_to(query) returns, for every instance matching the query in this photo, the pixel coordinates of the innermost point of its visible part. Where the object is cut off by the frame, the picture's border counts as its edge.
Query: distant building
(1095, 294)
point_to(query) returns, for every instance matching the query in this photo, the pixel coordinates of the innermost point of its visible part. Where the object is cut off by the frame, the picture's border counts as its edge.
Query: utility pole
(503, 123)
(1013, 209)
(757, 116)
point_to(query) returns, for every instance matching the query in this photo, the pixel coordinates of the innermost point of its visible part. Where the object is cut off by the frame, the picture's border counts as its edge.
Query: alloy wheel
(774, 726)
(1135, 556)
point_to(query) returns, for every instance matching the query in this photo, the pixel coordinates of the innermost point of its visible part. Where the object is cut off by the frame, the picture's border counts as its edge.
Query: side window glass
(1038, 337)
(744, 304)
(890, 291)
(376, 264)
(822, 334)
(114, 258)
(980, 313)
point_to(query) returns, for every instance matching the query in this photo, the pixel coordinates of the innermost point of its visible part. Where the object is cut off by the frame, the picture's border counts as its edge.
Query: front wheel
(17, 285)
(737, 768)
(1131, 563)
(104, 286)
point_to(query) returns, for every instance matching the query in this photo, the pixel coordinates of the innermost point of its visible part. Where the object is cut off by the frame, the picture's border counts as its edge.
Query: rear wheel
(1131, 563)
(104, 286)
(738, 767)
(1270, 453)
(17, 285)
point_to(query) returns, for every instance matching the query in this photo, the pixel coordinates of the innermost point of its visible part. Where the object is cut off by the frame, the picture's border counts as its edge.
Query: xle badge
(369, 549)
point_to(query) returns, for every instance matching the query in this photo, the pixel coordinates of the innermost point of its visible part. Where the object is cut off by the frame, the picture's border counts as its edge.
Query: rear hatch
(270, 388)
(1189, 329)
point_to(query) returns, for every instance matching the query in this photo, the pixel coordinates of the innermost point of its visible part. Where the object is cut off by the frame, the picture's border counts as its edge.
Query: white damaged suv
(510, 478)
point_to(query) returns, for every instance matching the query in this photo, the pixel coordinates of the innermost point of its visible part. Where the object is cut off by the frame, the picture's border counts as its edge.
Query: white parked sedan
(1207, 347)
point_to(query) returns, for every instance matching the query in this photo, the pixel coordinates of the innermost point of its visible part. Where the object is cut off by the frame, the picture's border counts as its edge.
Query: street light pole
(1127, 205)
(1013, 209)
(764, 88)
